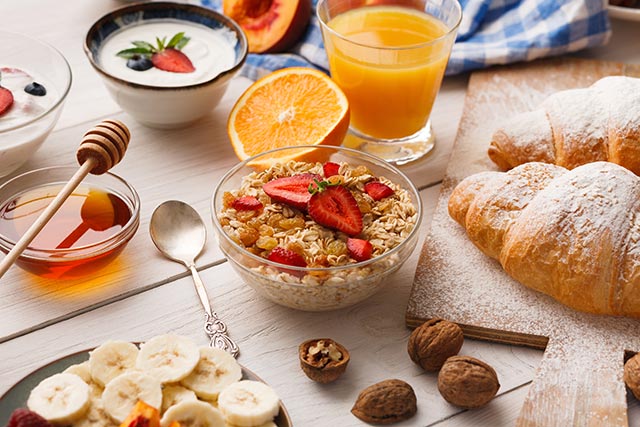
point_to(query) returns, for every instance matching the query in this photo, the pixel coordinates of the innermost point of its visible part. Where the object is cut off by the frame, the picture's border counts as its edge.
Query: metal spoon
(179, 233)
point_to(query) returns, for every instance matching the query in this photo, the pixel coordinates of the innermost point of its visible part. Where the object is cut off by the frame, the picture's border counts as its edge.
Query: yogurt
(26, 107)
(211, 52)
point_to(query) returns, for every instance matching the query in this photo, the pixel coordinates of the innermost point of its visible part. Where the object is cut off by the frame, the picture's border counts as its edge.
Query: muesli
(317, 215)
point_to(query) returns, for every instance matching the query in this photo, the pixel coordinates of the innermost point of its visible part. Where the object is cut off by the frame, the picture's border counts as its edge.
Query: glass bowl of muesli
(316, 227)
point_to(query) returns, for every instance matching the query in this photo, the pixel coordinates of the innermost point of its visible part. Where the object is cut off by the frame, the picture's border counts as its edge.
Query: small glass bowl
(342, 286)
(79, 261)
(20, 138)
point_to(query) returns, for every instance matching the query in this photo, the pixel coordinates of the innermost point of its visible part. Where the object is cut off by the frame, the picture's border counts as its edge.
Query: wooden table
(142, 294)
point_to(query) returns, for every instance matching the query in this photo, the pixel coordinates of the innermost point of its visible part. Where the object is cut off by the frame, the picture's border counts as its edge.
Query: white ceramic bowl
(336, 287)
(164, 106)
(21, 132)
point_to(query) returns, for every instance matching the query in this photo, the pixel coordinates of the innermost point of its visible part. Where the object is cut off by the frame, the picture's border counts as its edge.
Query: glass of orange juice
(389, 57)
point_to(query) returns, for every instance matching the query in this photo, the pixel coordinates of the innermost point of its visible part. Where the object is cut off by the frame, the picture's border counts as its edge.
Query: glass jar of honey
(90, 229)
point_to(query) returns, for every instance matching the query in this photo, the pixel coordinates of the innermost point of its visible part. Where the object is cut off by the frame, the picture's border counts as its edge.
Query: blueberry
(139, 63)
(35, 89)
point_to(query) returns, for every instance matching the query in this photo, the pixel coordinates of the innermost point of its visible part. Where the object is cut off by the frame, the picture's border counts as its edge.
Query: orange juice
(389, 61)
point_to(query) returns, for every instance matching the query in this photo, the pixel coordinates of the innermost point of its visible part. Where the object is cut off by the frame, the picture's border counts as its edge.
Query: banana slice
(248, 403)
(112, 359)
(193, 414)
(123, 392)
(61, 398)
(96, 416)
(268, 424)
(213, 403)
(169, 358)
(81, 370)
(215, 370)
(173, 394)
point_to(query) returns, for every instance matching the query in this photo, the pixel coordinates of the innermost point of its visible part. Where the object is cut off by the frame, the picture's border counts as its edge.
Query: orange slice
(289, 107)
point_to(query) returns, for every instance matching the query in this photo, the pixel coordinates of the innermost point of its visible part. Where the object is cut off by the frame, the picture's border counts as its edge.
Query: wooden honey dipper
(101, 148)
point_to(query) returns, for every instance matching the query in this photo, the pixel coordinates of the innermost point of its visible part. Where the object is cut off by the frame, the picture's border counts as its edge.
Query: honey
(81, 237)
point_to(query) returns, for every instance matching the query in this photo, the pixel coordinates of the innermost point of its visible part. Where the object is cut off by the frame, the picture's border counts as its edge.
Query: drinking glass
(389, 57)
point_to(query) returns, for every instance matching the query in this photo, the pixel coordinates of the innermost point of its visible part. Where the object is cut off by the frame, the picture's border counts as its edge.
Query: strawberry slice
(378, 190)
(335, 207)
(246, 203)
(291, 190)
(6, 100)
(331, 169)
(172, 60)
(359, 249)
(286, 257)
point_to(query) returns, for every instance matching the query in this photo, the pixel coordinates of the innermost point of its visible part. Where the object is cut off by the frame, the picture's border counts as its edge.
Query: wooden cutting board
(579, 380)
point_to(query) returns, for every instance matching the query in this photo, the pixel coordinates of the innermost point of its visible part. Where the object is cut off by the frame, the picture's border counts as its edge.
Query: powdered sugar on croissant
(574, 235)
(575, 127)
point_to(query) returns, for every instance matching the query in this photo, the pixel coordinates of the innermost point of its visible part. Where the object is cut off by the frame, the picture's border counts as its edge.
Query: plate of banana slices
(191, 385)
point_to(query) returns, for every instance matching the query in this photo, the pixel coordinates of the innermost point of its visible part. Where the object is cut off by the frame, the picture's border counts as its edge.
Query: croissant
(571, 234)
(574, 127)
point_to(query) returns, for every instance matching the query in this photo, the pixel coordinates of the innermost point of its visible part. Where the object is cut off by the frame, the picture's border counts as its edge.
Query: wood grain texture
(579, 381)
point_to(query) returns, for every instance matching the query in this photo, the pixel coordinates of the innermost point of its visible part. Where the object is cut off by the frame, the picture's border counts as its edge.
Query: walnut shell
(433, 342)
(386, 402)
(321, 366)
(467, 382)
(632, 375)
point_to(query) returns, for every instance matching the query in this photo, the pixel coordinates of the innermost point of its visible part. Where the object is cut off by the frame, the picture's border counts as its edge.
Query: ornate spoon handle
(215, 328)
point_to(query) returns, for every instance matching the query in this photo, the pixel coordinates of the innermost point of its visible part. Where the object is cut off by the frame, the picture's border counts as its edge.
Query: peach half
(270, 25)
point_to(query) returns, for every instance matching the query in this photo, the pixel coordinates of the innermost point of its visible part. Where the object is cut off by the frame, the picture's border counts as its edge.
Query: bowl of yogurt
(35, 79)
(166, 64)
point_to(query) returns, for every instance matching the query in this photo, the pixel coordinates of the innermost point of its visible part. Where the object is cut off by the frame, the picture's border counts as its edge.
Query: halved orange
(289, 107)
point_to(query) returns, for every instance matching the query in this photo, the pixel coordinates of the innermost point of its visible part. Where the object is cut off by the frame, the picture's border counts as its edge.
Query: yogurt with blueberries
(23, 97)
(168, 53)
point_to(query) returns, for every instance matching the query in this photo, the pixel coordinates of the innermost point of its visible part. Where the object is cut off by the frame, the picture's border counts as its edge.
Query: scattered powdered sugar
(577, 114)
(623, 111)
(530, 134)
(579, 379)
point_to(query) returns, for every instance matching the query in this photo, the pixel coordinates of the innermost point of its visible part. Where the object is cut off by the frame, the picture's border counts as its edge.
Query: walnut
(323, 360)
(632, 375)
(386, 402)
(433, 342)
(467, 382)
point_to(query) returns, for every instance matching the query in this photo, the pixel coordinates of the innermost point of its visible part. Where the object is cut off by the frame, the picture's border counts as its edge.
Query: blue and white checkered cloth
(492, 32)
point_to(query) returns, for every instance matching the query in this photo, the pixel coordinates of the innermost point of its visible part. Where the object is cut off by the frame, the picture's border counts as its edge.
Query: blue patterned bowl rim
(134, 14)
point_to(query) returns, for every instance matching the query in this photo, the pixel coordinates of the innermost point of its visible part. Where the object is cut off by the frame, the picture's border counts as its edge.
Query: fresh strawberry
(23, 417)
(292, 190)
(331, 169)
(286, 257)
(377, 190)
(359, 249)
(6, 100)
(335, 207)
(165, 56)
(246, 203)
(172, 60)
